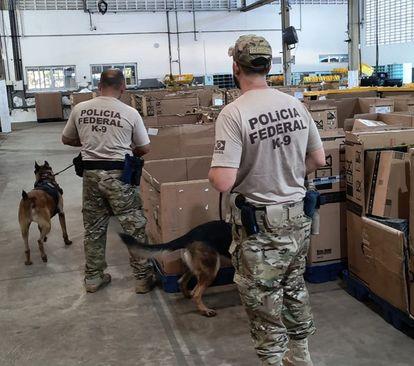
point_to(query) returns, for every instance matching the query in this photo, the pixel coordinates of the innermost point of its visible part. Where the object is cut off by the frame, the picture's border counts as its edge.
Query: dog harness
(52, 189)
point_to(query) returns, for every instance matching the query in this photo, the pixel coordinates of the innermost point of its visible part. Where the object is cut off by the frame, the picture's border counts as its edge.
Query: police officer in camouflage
(106, 130)
(266, 143)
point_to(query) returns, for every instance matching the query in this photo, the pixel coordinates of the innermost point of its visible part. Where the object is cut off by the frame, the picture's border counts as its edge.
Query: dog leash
(70, 166)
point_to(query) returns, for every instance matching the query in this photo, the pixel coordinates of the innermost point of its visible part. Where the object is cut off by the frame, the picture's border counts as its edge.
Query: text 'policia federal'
(276, 129)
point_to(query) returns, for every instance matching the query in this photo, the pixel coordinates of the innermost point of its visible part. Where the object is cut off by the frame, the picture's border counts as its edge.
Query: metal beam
(255, 5)
(287, 58)
(353, 32)
(354, 56)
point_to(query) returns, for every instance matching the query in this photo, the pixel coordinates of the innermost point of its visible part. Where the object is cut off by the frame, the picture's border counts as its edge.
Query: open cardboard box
(330, 178)
(387, 184)
(181, 141)
(357, 143)
(390, 119)
(177, 196)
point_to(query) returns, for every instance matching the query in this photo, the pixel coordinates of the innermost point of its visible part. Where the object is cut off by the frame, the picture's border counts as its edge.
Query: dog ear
(37, 166)
(47, 164)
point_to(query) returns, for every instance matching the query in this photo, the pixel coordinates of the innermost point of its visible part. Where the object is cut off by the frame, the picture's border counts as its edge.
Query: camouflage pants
(104, 195)
(269, 274)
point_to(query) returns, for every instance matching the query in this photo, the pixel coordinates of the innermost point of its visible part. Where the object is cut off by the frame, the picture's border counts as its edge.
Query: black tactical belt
(103, 165)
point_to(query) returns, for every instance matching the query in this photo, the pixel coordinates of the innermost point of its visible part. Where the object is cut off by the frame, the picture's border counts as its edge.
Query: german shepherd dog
(40, 205)
(202, 246)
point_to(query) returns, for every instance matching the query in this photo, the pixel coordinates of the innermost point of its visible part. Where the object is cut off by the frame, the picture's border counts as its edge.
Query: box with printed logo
(324, 113)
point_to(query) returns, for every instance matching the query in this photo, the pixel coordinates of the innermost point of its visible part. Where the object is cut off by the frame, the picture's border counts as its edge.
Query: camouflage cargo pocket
(264, 264)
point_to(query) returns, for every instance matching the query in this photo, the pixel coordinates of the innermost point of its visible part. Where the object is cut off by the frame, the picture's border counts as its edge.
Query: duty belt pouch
(235, 211)
(78, 164)
(132, 170)
(274, 216)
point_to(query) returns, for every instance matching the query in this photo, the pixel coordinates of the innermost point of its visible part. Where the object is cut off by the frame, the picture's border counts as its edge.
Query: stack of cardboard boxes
(176, 193)
(379, 174)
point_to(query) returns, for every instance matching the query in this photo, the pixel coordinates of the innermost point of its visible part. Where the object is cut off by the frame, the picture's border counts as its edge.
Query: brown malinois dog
(202, 246)
(40, 205)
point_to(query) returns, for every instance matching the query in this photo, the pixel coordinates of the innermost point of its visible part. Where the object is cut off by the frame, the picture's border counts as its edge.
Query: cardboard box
(375, 105)
(379, 254)
(163, 121)
(49, 106)
(390, 119)
(181, 141)
(404, 104)
(367, 124)
(357, 143)
(77, 98)
(171, 263)
(387, 278)
(359, 251)
(388, 185)
(176, 106)
(177, 196)
(330, 244)
(330, 178)
(324, 113)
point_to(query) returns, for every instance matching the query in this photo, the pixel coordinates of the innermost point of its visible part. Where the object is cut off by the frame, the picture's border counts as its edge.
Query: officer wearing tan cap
(266, 143)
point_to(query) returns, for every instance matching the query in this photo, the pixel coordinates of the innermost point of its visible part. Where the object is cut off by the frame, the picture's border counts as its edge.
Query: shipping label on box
(375, 105)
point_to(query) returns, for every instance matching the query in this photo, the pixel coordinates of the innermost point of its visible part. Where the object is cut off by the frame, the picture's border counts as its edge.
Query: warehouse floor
(47, 319)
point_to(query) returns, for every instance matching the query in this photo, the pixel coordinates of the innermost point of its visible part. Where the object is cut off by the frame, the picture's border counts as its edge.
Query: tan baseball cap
(251, 51)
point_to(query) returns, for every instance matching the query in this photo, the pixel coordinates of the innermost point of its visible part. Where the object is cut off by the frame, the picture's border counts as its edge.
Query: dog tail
(151, 250)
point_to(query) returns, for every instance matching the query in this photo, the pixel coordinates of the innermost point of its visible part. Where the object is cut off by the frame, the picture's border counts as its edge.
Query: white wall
(65, 38)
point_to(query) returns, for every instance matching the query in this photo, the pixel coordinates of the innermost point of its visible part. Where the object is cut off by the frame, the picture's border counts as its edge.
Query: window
(331, 59)
(395, 21)
(129, 71)
(51, 77)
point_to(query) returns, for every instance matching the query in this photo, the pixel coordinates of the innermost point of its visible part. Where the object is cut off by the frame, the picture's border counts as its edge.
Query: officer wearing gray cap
(266, 143)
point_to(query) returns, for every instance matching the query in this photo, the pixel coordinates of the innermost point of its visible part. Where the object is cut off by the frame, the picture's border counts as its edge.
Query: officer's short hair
(112, 78)
(263, 71)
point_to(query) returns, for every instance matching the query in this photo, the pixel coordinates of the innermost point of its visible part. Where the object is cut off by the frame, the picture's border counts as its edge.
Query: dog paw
(44, 258)
(68, 242)
(45, 239)
(28, 263)
(209, 313)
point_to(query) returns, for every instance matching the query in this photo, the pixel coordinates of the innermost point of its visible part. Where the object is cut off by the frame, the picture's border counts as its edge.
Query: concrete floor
(47, 319)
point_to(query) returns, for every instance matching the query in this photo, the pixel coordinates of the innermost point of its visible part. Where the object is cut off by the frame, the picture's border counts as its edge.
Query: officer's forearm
(141, 150)
(71, 142)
